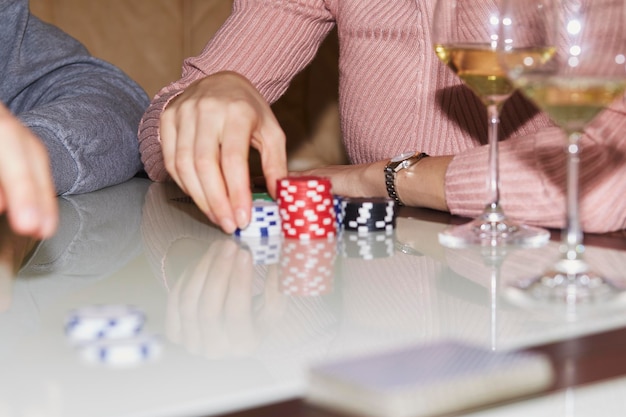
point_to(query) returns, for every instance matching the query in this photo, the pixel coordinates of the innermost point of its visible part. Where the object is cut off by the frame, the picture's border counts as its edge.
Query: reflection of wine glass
(483, 264)
(583, 45)
(471, 52)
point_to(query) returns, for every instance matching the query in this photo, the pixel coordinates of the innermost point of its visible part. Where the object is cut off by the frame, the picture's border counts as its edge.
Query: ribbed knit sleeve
(84, 110)
(533, 176)
(266, 41)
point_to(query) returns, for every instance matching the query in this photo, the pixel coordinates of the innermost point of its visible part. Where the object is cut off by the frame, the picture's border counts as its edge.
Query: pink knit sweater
(395, 96)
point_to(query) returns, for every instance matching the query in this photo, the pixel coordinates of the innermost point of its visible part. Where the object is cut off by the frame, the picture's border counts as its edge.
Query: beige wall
(149, 39)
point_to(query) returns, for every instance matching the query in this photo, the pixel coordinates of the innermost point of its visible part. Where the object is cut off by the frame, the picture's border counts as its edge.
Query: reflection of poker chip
(124, 352)
(264, 220)
(372, 245)
(307, 267)
(264, 250)
(103, 322)
(306, 207)
(366, 215)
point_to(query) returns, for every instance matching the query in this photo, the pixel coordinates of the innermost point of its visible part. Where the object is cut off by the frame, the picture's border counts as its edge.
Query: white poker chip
(123, 353)
(103, 322)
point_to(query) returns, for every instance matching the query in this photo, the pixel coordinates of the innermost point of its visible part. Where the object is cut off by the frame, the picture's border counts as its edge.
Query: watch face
(402, 156)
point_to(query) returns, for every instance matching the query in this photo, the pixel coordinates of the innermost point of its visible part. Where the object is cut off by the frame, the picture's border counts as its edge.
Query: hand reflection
(14, 249)
(212, 309)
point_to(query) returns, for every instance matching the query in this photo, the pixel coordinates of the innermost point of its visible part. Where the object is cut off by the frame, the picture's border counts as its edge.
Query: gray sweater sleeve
(85, 110)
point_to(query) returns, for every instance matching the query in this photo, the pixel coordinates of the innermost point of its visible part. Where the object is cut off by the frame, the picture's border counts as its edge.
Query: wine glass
(567, 56)
(470, 50)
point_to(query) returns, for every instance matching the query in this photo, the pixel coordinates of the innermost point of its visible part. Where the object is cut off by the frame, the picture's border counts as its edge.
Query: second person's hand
(27, 192)
(206, 134)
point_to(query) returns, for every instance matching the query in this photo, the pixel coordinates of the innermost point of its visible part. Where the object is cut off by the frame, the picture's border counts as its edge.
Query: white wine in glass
(585, 74)
(473, 56)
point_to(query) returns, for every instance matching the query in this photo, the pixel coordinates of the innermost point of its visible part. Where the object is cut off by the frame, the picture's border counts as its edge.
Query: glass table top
(236, 332)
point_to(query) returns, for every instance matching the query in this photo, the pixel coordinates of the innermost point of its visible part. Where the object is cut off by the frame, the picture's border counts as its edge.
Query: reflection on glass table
(497, 277)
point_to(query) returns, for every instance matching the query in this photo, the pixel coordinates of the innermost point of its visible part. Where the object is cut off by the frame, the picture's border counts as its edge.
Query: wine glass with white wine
(465, 37)
(586, 72)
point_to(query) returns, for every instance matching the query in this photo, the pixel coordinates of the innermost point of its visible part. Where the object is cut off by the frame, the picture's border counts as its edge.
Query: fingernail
(28, 218)
(228, 225)
(242, 218)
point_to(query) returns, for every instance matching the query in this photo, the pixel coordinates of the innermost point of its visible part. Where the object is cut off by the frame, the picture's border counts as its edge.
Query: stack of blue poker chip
(365, 215)
(367, 246)
(264, 221)
(111, 335)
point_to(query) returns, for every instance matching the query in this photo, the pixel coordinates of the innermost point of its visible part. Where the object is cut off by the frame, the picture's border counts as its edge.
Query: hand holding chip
(206, 133)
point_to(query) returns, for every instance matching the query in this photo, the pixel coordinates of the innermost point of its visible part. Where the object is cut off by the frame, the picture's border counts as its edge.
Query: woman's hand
(206, 133)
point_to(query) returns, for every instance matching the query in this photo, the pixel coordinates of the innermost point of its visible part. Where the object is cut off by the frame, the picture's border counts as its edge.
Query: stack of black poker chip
(365, 215)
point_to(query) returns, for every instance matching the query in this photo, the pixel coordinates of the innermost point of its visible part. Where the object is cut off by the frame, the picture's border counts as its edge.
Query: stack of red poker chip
(306, 207)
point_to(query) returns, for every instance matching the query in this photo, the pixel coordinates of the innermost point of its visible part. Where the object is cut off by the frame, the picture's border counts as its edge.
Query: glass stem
(573, 237)
(493, 189)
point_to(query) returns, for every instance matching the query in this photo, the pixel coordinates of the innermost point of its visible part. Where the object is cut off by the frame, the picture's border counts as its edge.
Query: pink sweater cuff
(150, 139)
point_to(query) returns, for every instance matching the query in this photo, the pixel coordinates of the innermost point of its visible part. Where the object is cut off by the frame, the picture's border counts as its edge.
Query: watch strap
(393, 167)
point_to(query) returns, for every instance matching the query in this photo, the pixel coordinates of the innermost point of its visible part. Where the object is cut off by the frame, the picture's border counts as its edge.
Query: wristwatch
(397, 164)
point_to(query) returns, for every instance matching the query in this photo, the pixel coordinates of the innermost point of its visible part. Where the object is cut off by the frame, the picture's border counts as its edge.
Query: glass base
(570, 287)
(493, 230)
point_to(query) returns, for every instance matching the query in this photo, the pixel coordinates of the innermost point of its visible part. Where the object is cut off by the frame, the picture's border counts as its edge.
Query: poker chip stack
(111, 335)
(365, 215)
(307, 267)
(265, 220)
(306, 208)
(262, 237)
